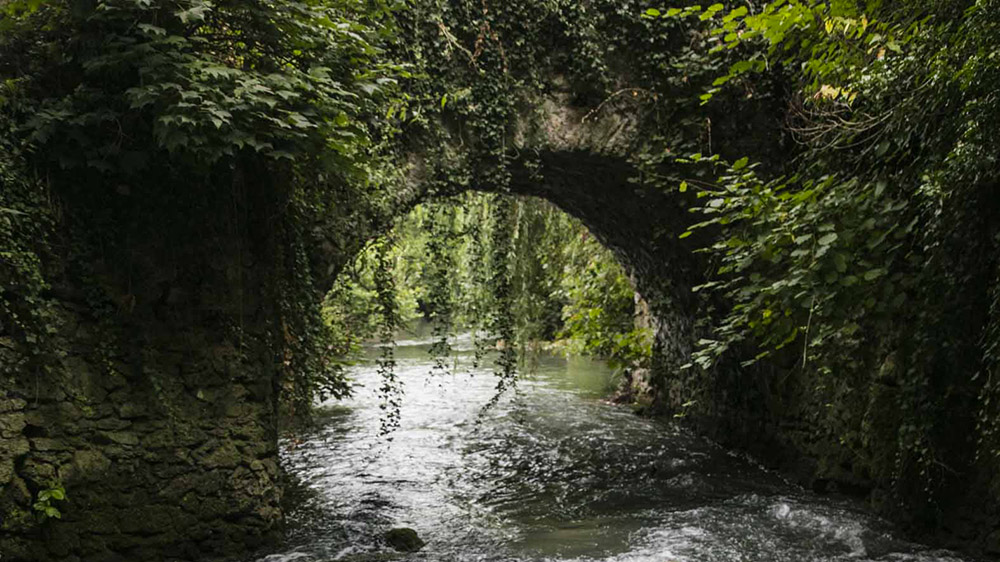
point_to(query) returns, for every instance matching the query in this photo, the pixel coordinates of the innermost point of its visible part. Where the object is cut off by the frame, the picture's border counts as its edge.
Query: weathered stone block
(132, 410)
(11, 424)
(90, 465)
(48, 444)
(223, 456)
(121, 437)
(11, 405)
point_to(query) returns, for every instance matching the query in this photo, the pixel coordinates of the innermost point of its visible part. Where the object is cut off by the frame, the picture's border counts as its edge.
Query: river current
(551, 473)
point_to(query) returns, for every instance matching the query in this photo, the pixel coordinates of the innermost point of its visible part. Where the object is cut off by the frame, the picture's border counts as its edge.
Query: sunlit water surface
(551, 473)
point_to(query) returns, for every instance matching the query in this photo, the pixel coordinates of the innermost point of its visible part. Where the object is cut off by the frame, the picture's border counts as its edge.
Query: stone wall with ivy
(147, 339)
(147, 397)
(174, 180)
(856, 270)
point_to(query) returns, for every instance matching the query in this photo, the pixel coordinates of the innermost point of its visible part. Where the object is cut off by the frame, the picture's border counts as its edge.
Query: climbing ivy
(194, 82)
(231, 111)
(855, 238)
(46, 503)
(501, 318)
(26, 316)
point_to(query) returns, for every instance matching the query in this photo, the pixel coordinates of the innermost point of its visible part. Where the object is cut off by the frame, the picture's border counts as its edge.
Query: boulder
(404, 539)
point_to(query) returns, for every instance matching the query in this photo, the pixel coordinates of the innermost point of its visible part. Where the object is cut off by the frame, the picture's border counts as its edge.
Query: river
(552, 473)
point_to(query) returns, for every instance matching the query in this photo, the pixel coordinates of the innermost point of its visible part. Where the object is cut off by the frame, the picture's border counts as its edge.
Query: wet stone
(404, 539)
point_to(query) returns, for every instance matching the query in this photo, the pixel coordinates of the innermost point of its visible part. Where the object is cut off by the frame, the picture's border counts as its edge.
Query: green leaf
(828, 239)
(653, 13)
(737, 13)
(880, 187)
(873, 274)
(683, 187)
(152, 29)
(195, 13)
(741, 163)
(840, 262)
(848, 281)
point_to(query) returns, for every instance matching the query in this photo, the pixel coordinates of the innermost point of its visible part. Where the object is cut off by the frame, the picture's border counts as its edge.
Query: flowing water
(551, 473)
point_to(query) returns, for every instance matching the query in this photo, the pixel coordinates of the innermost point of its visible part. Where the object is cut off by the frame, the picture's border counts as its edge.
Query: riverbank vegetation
(569, 292)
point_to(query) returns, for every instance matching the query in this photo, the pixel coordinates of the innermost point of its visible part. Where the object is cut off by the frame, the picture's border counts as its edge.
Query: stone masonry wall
(159, 415)
(174, 454)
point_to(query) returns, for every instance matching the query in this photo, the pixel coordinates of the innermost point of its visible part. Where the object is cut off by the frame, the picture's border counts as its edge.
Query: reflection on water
(550, 474)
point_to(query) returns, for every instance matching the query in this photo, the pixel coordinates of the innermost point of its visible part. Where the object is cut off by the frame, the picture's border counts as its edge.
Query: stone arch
(579, 159)
(641, 225)
(192, 469)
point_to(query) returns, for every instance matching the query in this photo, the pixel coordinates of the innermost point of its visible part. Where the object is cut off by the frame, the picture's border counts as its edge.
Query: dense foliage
(160, 119)
(878, 238)
(565, 287)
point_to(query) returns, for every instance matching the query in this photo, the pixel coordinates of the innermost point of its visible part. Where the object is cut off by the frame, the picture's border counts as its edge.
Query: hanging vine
(502, 327)
(391, 391)
(441, 265)
(475, 302)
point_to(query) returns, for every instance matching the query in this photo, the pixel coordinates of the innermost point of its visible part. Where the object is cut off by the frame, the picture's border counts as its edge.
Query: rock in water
(404, 539)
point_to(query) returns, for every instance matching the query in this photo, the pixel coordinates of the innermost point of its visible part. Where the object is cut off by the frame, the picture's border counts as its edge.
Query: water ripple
(551, 474)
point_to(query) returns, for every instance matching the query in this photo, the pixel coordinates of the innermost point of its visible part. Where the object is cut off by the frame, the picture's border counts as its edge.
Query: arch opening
(632, 227)
(495, 267)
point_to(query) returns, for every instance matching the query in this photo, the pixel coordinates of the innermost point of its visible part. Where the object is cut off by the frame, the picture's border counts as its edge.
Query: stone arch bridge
(167, 443)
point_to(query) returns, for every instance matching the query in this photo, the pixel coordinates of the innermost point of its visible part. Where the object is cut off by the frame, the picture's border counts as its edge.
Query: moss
(16, 519)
